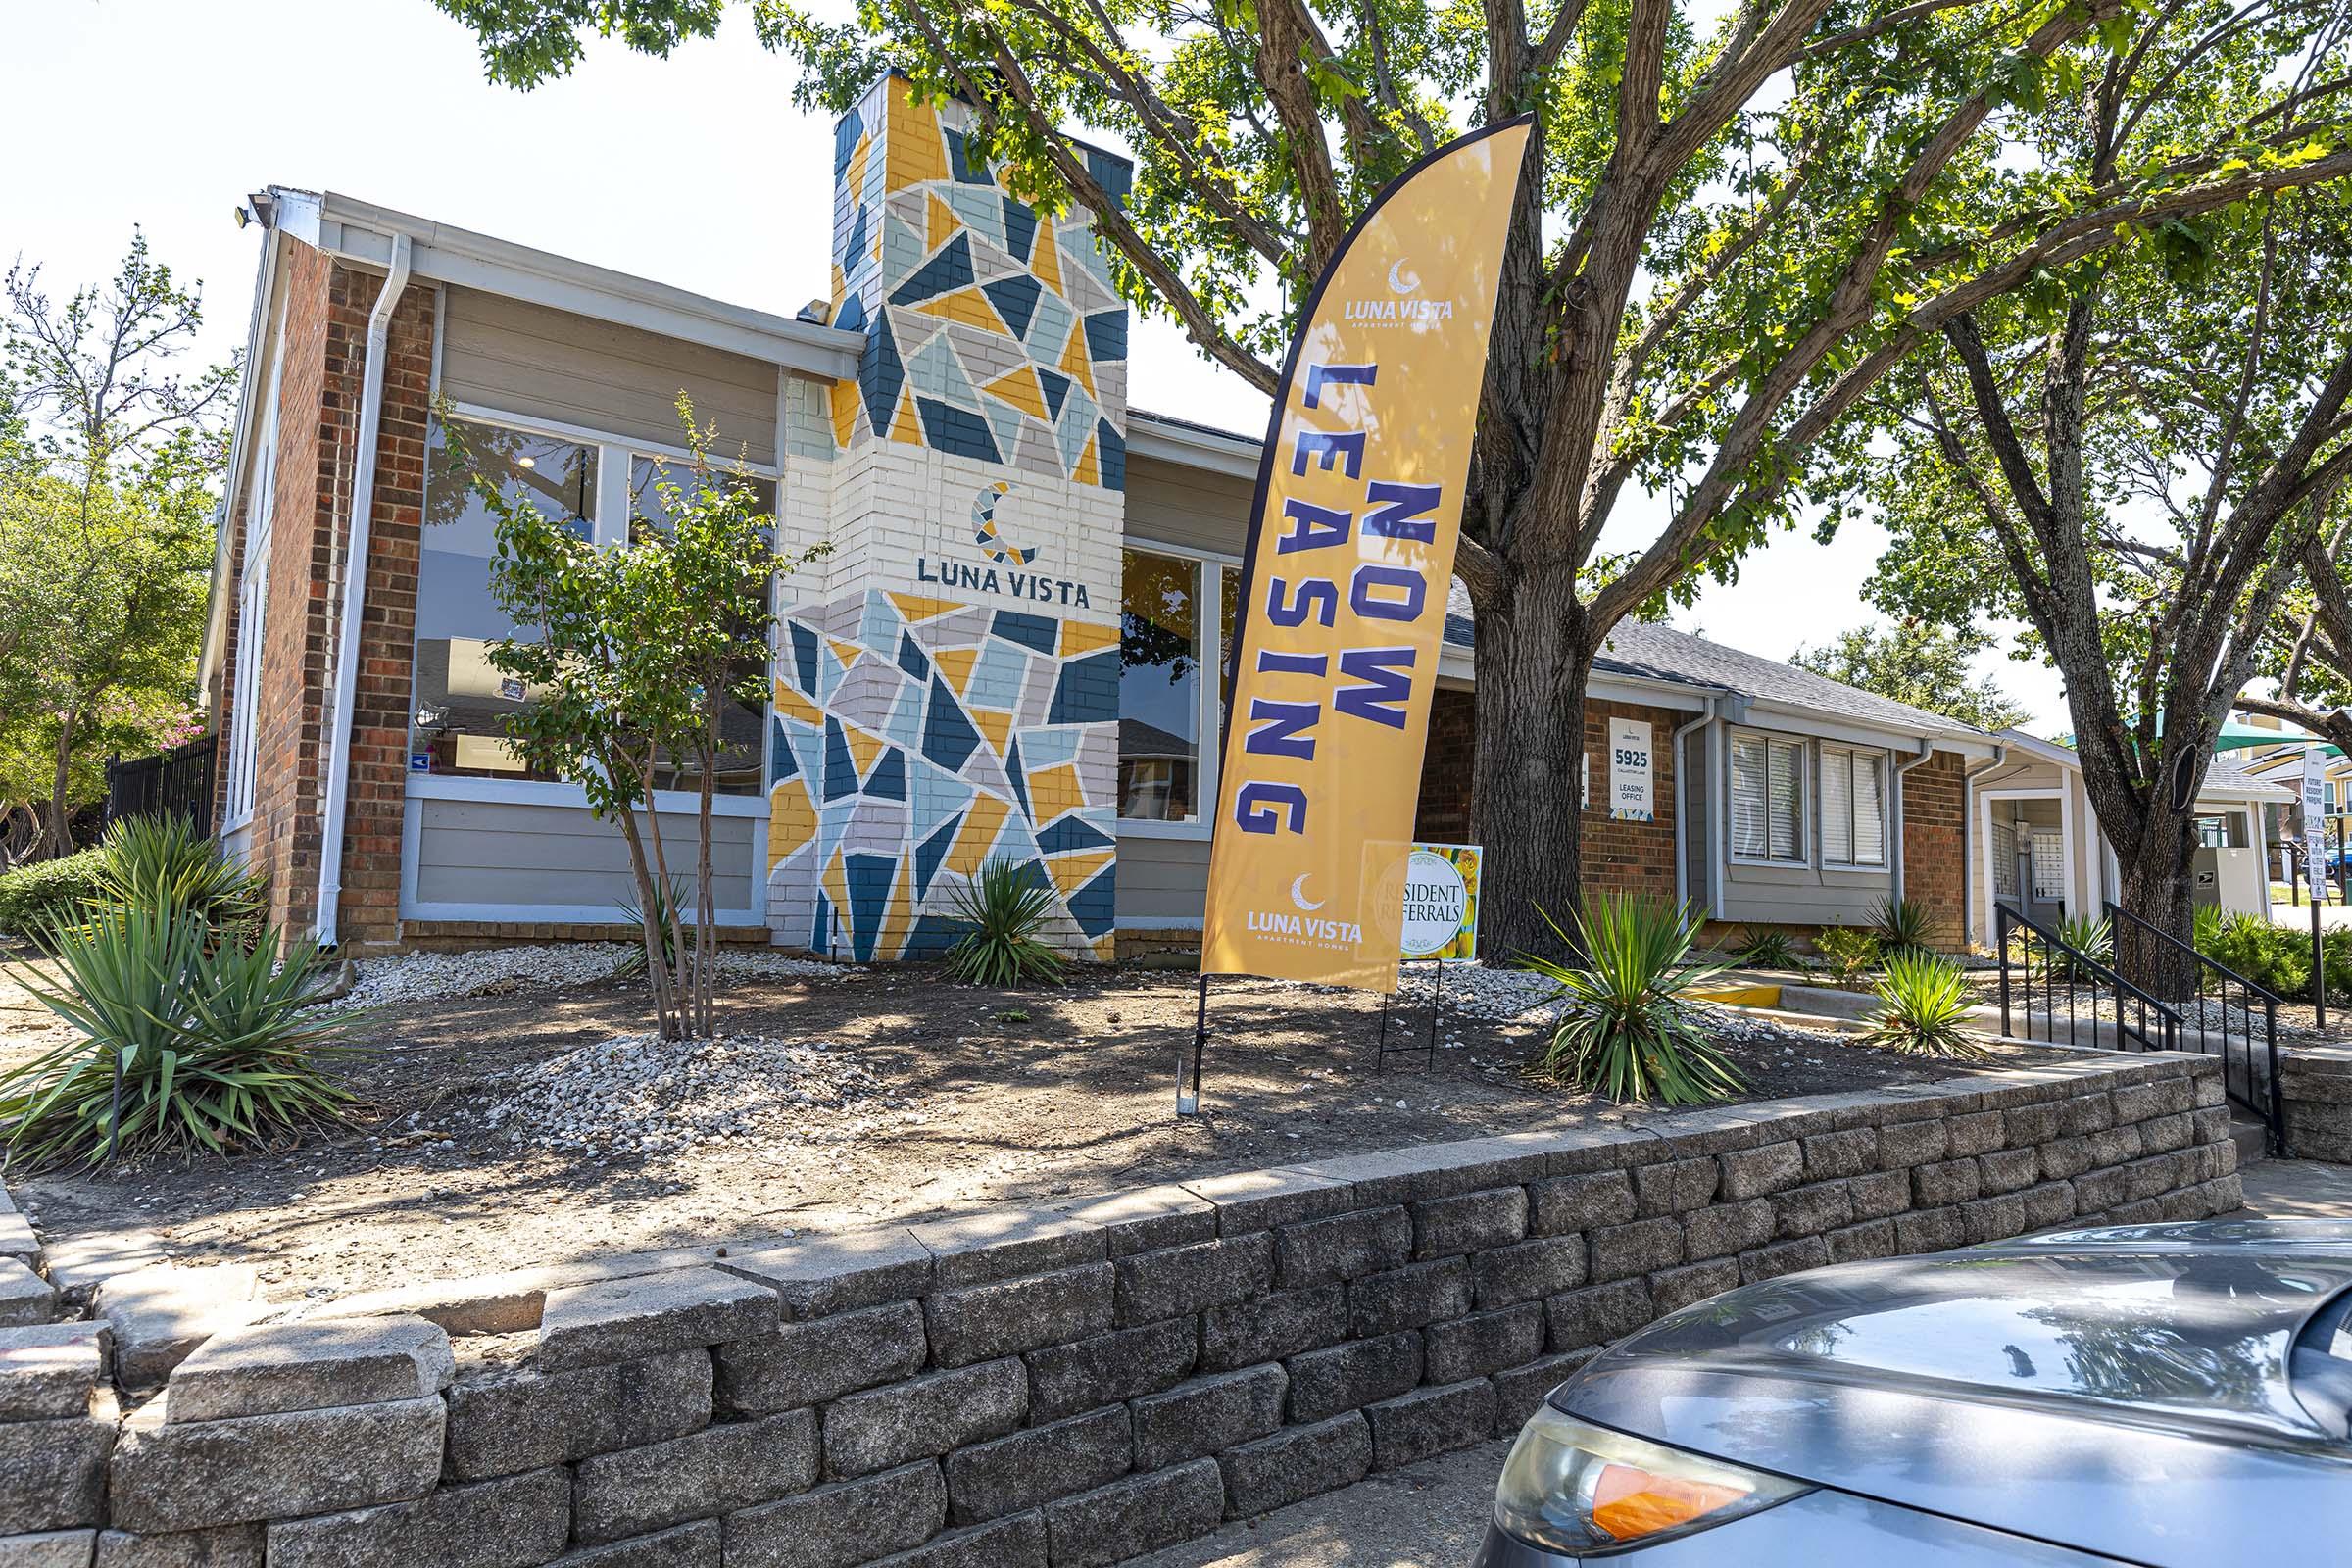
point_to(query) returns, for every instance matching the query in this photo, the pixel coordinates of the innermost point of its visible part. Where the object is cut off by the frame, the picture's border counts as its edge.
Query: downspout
(1968, 828)
(1926, 749)
(1681, 830)
(354, 590)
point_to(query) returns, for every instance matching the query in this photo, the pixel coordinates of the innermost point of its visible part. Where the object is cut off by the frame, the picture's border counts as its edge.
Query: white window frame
(1210, 724)
(609, 528)
(1830, 753)
(253, 607)
(1802, 772)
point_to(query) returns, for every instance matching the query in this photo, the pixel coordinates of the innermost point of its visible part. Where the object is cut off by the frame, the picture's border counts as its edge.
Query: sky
(695, 170)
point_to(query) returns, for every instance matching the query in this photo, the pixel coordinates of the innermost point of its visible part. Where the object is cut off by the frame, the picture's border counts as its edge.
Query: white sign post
(2315, 817)
(1631, 799)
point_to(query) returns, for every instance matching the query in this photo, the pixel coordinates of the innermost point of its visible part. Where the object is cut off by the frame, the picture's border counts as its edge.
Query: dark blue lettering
(1319, 376)
(1332, 446)
(1365, 593)
(1270, 662)
(1318, 595)
(1260, 807)
(1312, 527)
(1389, 684)
(1279, 728)
(1398, 511)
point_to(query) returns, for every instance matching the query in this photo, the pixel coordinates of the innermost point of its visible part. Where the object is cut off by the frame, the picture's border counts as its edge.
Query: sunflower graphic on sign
(984, 534)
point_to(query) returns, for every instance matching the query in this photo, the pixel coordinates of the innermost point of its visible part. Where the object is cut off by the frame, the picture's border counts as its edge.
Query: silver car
(2144, 1393)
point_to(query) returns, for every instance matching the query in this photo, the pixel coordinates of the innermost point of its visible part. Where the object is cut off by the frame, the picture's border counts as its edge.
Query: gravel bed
(496, 971)
(643, 1095)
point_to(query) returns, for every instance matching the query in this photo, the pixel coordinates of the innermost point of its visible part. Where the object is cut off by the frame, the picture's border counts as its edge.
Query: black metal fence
(2041, 973)
(2232, 1017)
(173, 783)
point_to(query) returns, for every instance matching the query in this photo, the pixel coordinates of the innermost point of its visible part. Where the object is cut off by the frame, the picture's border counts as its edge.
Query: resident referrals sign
(1359, 507)
(1440, 903)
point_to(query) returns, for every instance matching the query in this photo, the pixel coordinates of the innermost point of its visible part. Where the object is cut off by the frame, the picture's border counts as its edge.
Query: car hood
(2019, 1383)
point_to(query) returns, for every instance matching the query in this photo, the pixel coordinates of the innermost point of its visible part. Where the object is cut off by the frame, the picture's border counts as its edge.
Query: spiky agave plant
(1922, 1004)
(1626, 1029)
(187, 1042)
(163, 864)
(1004, 907)
(1903, 925)
(1767, 946)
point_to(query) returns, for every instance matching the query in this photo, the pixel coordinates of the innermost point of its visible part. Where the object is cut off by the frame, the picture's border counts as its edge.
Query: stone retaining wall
(1048, 1387)
(2314, 1089)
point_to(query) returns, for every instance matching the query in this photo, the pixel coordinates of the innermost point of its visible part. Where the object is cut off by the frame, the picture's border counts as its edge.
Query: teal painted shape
(905, 722)
(878, 625)
(1049, 329)
(1050, 748)
(935, 371)
(1076, 424)
(930, 851)
(933, 794)
(998, 674)
(808, 748)
(1005, 421)
(981, 208)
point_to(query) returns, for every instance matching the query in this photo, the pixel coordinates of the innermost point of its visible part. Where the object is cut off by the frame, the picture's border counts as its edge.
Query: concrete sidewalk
(1431, 1515)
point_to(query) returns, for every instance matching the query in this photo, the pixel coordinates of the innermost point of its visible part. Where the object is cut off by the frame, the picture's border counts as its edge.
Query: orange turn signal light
(1630, 1502)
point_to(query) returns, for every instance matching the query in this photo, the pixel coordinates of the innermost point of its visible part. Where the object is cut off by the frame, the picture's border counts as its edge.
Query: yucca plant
(1767, 947)
(164, 864)
(2093, 938)
(187, 1042)
(666, 903)
(1902, 925)
(1626, 1029)
(1923, 1000)
(1006, 906)
(1850, 952)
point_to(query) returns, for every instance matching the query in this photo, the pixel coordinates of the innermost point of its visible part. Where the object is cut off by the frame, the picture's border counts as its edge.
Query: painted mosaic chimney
(950, 696)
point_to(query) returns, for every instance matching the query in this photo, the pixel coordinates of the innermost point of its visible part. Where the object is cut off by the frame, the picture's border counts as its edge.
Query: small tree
(630, 657)
(1919, 663)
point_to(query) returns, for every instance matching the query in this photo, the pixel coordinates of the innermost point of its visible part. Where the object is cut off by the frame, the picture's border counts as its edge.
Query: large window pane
(459, 722)
(647, 475)
(1159, 688)
(743, 725)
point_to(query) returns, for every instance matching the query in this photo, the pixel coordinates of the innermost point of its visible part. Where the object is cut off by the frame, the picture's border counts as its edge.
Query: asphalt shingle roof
(1660, 652)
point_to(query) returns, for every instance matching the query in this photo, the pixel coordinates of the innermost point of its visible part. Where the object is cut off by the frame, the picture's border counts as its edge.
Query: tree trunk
(2156, 888)
(1525, 800)
(61, 813)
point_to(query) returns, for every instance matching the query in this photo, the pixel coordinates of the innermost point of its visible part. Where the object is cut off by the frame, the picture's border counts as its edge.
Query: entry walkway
(1431, 1515)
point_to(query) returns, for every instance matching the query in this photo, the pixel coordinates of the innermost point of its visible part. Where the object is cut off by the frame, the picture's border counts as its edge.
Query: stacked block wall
(1069, 1386)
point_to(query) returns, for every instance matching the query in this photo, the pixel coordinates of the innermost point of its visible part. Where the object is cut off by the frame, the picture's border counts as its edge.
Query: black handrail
(2262, 1099)
(2008, 920)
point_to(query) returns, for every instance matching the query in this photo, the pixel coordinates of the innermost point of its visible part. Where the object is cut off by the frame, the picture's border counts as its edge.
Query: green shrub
(1923, 1002)
(1004, 907)
(1902, 925)
(1850, 952)
(215, 1047)
(161, 863)
(667, 902)
(2090, 936)
(1767, 947)
(36, 896)
(1626, 1030)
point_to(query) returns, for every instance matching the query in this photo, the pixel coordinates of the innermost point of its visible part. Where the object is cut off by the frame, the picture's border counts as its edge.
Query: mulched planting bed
(540, 1124)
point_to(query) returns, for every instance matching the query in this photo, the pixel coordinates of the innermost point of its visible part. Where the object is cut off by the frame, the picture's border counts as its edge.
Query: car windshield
(2320, 1371)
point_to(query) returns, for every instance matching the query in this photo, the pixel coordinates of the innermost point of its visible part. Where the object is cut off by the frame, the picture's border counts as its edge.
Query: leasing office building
(1004, 653)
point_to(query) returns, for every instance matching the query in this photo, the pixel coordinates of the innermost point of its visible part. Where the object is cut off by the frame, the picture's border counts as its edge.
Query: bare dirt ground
(971, 1097)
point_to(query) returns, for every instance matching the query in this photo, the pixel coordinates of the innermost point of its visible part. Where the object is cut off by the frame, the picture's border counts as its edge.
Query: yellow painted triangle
(790, 704)
(1089, 471)
(916, 607)
(856, 170)
(905, 427)
(996, 726)
(940, 222)
(978, 834)
(968, 305)
(1084, 637)
(837, 885)
(864, 747)
(897, 914)
(1070, 873)
(916, 154)
(1045, 259)
(1057, 785)
(845, 412)
(1074, 363)
(847, 652)
(791, 819)
(1020, 389)
(955, 665)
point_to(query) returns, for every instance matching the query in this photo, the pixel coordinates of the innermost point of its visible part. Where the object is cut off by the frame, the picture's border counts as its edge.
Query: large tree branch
(1286, 35)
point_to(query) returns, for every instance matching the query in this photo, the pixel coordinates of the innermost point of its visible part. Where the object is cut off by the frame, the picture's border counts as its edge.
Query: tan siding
(1176, 506)
(1161, 879)
(547, 364)
(513, 853)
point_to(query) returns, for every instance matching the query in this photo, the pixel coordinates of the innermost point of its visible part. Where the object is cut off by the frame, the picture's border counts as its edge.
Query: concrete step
(2252, 1137)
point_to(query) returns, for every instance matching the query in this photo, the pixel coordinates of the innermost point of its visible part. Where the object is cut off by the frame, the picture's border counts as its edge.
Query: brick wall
(324, 352)
(1627, 856)
(1079, 1384)
(1935, 861)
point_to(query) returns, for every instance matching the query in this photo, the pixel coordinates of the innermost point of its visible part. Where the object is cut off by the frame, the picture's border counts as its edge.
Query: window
(253, 609)
(458, 725)
(743, 726)
(1768, 799)
(1159, 687)
(647, 474)
(1853, 807)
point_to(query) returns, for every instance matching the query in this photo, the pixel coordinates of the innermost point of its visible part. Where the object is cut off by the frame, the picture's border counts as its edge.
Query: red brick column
(324, 353)
(1442, 816)
(1935, 862)
(1631, 857)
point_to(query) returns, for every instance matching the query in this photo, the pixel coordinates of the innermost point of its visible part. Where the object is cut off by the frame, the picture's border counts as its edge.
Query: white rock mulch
(1502, 996)
(643, 1095)
(432, 976)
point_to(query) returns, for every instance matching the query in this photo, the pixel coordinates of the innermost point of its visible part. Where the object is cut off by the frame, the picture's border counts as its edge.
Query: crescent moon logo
(1298, 894)
(1402, 281)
